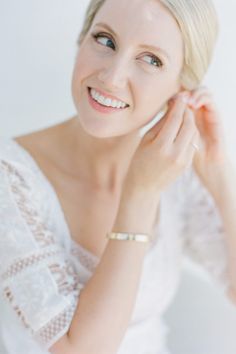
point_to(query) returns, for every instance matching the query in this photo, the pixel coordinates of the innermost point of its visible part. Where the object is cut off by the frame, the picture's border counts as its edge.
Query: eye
(104, 38)
(155, 61)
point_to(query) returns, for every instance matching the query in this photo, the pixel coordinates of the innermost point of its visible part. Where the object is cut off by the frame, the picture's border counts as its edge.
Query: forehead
(142, 21)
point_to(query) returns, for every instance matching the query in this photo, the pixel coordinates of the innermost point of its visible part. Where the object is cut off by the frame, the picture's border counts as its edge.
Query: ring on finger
(195, 146)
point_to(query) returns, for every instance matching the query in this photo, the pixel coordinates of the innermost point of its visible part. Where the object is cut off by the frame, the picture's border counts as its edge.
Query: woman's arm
(214, 168)
(107, 300)
(225, 197)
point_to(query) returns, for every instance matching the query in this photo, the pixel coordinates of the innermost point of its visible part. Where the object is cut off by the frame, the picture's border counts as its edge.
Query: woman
(66, 285)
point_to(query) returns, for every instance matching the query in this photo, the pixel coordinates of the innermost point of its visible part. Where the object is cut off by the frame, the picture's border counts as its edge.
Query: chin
(96, 129)
(99, 125)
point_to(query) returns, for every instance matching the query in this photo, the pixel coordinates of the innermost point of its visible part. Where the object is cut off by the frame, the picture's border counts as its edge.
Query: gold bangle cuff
(127, 236)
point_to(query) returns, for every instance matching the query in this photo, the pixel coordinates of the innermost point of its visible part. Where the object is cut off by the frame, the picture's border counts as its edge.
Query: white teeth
(106, 101)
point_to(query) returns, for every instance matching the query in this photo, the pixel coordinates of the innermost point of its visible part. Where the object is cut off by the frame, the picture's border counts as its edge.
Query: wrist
(223, 183)
(137, 213)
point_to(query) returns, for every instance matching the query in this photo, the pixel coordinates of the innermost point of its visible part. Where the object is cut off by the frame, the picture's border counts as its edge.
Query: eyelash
(101, 34)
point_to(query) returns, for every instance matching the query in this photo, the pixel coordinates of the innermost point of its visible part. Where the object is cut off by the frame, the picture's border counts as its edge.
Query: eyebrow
(145, 46)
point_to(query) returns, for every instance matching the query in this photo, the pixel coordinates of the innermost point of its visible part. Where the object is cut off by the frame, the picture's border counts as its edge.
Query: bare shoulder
(45, 144)
(47, 148)
(39, 141)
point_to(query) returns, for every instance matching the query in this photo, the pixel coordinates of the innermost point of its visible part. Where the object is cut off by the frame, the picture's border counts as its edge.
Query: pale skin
(88, 156)
(96, 160)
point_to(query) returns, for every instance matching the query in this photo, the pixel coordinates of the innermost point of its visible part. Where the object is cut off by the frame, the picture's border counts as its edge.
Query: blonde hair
(198, 22)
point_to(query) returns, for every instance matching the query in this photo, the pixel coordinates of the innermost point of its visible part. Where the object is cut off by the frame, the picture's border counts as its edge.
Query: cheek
(151, 99)
(81, 68)
(85, 64)
(150, 103)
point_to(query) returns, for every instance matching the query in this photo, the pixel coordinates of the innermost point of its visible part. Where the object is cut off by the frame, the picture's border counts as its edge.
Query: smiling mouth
(103, 105)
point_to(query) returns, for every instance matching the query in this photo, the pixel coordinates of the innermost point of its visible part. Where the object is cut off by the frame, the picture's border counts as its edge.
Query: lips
(104, 107)
(106, 95)
(101, 108)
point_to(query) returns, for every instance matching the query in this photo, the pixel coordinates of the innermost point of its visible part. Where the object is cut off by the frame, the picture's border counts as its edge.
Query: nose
(114, 75)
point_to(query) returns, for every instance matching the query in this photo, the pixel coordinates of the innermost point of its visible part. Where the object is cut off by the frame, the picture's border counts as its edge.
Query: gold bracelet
(128, 236)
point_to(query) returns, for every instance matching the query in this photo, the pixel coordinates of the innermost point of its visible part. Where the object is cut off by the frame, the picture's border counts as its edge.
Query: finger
(173, 121)
(186, 132)
(199, 93)
(200, 90)
(197, 139)
(204, 101)
(153, 132)
(191, 150)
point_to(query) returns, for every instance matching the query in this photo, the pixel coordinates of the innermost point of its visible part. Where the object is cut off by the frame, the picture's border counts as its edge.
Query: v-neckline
(78, 248)
(74, 243)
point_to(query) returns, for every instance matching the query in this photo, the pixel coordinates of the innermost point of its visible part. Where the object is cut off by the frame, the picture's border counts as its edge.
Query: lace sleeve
(36, 279)
(203, 230)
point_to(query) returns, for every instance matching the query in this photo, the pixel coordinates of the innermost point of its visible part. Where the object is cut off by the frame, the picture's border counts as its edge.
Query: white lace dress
(42, 269)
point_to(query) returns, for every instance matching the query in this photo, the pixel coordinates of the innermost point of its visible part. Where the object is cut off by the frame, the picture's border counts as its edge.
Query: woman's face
(118, 57)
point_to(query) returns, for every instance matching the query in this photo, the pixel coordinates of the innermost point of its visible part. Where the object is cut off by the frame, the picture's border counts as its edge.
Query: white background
(38, 45)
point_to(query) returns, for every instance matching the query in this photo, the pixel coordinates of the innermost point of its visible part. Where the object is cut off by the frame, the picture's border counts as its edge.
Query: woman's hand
(164, 151)
(211, 159)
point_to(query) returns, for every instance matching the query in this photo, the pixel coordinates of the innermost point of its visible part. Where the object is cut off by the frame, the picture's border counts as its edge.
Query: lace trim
(46, 335)
(21, 264)
(43, 237)
(204, 231)
(10, 297)
(64, 273)
(61, 274)
(87, 260)
(61, 322)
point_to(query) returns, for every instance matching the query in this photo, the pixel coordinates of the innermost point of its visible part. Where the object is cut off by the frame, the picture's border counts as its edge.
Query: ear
(165, 107)
(178, 87)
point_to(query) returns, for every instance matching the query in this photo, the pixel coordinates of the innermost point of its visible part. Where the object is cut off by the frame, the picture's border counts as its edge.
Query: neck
(101, 162)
